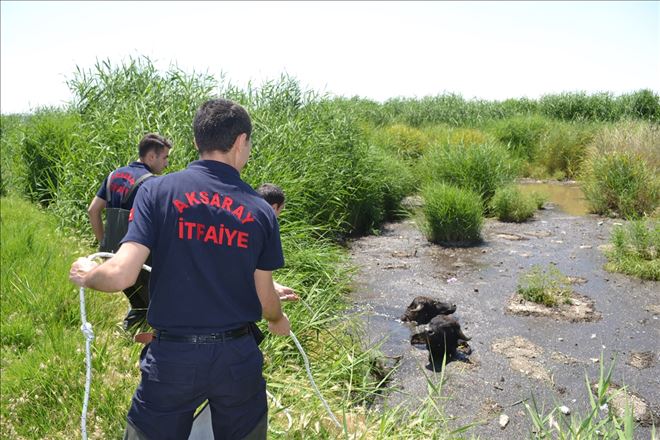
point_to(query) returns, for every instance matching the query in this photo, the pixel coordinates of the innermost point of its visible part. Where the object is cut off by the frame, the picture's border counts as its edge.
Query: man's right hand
(281, 327)
(81, 267)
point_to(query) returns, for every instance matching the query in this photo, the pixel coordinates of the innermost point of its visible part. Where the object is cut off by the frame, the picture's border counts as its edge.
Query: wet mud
(518, 349)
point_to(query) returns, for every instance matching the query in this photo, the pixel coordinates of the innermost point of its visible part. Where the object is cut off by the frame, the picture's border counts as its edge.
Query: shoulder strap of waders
(137, 183)
(108, 195)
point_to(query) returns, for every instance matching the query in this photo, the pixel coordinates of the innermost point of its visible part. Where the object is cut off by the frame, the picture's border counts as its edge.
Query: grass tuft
(509, 204)
(453, 215)
(547, 286)
(636, 250)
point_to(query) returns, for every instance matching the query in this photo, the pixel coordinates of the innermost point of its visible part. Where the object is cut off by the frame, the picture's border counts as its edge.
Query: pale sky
(376, 50)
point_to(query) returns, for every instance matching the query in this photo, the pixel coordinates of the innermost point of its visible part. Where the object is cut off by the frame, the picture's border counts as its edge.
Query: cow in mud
(422, 310)
(441, 336)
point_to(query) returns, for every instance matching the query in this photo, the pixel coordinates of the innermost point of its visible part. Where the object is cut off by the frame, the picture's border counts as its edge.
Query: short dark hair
(153, 141)
(272, 193)
(217, 124)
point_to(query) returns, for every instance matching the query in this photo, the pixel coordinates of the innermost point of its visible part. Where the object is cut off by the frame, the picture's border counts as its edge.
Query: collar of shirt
(137, 164)
(216, 168)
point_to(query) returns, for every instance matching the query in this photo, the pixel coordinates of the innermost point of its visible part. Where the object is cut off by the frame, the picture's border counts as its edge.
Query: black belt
(210, 338)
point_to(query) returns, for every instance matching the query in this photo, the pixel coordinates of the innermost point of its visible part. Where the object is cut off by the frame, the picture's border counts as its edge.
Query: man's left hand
(285, 293)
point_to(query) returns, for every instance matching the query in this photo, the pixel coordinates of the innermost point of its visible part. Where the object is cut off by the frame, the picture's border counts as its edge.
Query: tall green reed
(480, 168)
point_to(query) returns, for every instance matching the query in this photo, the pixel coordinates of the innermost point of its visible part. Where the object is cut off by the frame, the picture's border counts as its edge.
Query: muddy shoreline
(515, 354)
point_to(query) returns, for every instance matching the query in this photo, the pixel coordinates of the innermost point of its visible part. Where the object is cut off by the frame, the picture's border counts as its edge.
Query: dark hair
(153, 141)
(272, 193)
(218, 123)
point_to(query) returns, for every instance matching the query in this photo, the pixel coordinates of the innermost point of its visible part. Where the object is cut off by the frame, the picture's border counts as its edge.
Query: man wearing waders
(116, 196)
(214, 244)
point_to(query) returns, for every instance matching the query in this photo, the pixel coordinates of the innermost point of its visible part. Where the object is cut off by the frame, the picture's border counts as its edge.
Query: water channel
(566, 196)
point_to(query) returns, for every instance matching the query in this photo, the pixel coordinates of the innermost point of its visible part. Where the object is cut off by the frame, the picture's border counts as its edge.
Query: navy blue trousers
(178, 377)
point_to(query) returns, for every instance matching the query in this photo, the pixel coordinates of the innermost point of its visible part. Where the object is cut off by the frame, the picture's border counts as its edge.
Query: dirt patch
(511, 237)
(641, 360)
(642, 412)
(653, 309)
(576, 280)
(489, 409)
(539, 234)
(563, 358)
(522, 356)
(581, 309)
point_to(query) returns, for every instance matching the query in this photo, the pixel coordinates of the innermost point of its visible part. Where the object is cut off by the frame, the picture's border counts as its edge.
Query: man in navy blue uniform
(214, 244)
(122, 185)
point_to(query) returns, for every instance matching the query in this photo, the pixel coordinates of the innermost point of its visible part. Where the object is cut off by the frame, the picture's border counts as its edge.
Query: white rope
(311, 379)
(87, 330)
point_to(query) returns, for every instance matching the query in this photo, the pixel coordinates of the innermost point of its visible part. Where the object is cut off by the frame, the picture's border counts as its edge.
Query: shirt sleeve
(101, 193)
(271, 256)
(141, 219)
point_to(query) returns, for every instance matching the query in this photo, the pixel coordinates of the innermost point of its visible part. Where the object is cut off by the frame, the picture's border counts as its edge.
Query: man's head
(154, 151)
(220, 125)
(274, 195)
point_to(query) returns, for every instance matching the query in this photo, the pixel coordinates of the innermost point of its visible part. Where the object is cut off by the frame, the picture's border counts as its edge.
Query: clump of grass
(547, 286)
(642, 104)
(636, 250)
(538, 198)
(480, 168)
(564, 148)
(639, 137)
(509, 204)
(453, 215)
(403, 141)
(621, 184)
(521, 135)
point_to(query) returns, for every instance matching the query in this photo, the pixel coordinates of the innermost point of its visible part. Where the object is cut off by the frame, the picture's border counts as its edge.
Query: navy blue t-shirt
(122, 180)
(207, 231)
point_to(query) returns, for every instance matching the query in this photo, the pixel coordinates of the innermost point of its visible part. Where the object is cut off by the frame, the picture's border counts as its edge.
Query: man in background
(116, 196)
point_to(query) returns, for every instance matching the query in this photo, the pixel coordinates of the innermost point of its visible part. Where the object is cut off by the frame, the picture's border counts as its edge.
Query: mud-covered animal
(441, 335)
(422, 309)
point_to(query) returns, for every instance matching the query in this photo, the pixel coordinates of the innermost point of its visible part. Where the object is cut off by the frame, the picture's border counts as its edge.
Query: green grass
(453, 216)
(600, 421)
(547, 286)
(402, 141)
(563, 149)
(521, 135)
(481, 168)
(636, 250)
(621, 184)
(509, 204)
(538, 198)
(42, 366)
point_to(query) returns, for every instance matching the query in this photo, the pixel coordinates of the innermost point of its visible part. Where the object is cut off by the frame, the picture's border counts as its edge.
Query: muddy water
(568, 197)
(513, 356)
